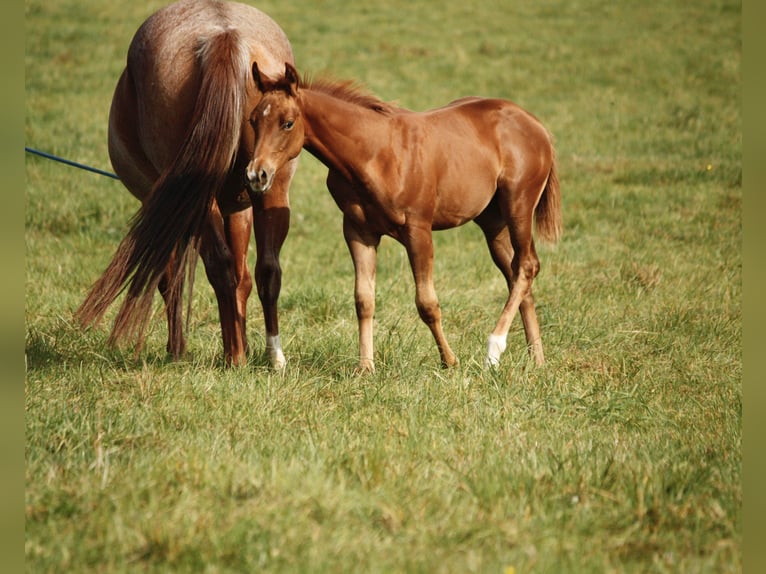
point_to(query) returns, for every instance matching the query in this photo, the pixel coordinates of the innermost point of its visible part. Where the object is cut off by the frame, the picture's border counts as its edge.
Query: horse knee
(220, 270)
(365, 307)
(268, 278)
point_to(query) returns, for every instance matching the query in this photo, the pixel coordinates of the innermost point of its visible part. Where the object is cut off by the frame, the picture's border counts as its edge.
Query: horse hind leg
(176, 345)
(532, 327)
(238, 227)
(520, 298)
(513, 252)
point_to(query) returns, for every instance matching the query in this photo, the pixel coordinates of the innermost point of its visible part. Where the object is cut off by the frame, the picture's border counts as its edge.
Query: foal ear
(257, 78)
(291, 75)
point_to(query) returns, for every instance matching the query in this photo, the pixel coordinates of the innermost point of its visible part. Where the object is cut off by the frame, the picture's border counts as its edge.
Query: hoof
(274, 350)
(278, 360)
(450, 362)
(365, 367)
(495, 346)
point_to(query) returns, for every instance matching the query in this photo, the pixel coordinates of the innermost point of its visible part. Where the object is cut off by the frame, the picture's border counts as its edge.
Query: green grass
(621, 454)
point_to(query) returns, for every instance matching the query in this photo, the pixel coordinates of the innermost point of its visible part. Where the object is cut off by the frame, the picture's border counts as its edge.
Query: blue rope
(72, 163)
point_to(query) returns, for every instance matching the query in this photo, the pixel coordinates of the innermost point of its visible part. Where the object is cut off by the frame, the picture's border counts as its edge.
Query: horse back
(154, 101)
(176, 122)
(515, 135)
(480, 146)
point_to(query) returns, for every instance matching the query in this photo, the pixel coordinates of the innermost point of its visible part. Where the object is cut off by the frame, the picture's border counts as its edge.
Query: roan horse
(179, 140)
(404, 174)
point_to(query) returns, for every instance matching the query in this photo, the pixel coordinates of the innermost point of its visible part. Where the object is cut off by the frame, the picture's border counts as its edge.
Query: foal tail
(164, 235)
(548, 211)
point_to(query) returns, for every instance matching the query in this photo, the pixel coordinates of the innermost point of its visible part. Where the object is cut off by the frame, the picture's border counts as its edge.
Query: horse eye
(288, 125)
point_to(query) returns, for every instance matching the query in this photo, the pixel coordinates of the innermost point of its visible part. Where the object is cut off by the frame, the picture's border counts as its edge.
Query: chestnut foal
(405, 174)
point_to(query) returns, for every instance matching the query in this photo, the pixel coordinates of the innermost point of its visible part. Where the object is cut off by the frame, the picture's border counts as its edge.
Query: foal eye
(288, 125)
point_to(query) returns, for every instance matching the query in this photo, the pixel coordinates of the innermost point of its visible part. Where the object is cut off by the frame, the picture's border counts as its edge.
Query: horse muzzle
(259, 178)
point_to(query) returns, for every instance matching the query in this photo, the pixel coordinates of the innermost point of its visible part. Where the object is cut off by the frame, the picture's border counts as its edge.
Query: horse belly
(461, 198)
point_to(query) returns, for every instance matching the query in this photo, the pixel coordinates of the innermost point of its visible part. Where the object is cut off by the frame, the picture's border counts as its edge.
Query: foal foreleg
(363, 249)
(271, 215)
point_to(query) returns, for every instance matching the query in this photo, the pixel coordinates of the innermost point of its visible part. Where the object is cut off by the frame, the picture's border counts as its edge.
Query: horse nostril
(258, 178)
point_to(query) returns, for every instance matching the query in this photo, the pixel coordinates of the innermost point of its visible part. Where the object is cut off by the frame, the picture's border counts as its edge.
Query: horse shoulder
(366, 206)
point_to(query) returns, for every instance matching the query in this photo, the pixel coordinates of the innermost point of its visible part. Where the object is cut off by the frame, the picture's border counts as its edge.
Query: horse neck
(344, 136)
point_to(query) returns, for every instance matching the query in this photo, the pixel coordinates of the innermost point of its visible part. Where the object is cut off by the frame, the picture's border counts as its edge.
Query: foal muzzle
(259, 178)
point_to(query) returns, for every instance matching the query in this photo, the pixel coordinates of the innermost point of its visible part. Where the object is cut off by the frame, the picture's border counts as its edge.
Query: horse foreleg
(363, 249)
(271, 214)
(220, 268)
(420, 249)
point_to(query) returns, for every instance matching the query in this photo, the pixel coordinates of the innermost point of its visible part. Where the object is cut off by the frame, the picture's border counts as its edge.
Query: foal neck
(344, 133)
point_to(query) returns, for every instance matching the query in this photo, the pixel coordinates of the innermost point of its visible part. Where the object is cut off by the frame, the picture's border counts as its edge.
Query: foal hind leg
(420, 249)
(238, 226)
(532, 327)
(498, 237)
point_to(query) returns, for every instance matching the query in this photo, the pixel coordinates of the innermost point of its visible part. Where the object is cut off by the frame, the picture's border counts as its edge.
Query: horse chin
(261, 187)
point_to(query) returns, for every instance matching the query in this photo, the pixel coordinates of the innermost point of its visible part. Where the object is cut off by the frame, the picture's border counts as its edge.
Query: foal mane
(348, 91)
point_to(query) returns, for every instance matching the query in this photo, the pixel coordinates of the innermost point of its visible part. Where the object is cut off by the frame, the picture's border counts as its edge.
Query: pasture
(621, 454)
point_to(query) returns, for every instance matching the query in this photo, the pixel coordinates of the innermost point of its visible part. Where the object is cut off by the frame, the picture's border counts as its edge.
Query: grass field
(621, 454)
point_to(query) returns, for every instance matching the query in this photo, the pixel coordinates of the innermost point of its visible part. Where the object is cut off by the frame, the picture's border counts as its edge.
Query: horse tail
(164, 234)
(548, 221)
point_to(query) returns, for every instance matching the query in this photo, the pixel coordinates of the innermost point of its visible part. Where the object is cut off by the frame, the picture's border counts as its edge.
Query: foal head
(277, 123)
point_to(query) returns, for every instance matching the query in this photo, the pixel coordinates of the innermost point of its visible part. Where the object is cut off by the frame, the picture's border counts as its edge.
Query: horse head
(278, 127)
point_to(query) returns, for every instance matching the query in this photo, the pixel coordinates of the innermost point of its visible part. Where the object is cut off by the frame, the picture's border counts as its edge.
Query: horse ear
(291, 75)
(257, 78)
